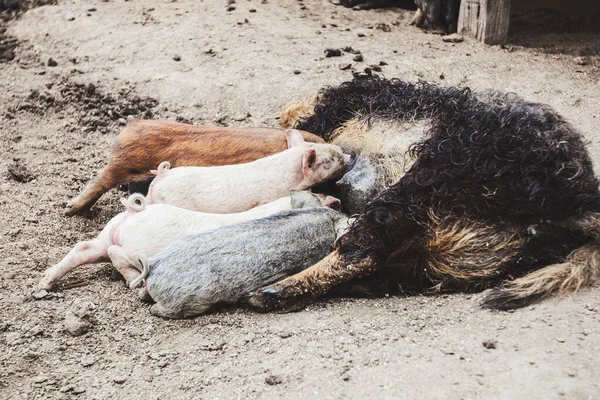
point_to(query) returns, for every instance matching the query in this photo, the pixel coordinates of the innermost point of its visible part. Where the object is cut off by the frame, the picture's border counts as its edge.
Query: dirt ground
(70, 74)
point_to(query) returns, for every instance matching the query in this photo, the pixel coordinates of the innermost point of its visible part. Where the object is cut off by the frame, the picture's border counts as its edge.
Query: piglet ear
(294, 138)
(308, 162)
(332, 202)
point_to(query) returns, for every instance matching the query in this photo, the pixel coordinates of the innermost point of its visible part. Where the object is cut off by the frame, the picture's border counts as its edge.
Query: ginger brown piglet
(143, 144)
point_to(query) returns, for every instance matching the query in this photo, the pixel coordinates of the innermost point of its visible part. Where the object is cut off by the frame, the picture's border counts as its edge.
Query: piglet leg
(294, 291)
(91, 251)
(123, 263)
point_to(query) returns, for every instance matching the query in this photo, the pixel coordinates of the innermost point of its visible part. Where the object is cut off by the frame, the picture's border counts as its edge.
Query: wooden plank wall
(485, 20)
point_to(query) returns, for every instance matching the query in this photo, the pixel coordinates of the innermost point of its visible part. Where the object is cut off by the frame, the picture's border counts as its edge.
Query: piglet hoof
(72, 208)
(272, 298)
(45, 284)
(75, 206)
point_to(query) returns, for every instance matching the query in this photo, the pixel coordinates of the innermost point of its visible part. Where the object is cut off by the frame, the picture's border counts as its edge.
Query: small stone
(285, 334)
(383, 27)
(66, 388)
(453, 38)
(176, 57)
(92, 9)
(52, 62)
(12, 338)
(297, 72)
(120, 380)
(122, 121)
(162, 363)
(40, 294)
(78, 390)
(333, 53)
(344, 67)
(252, 10)
(375, 68)
(350, 50)
(581, 60)
(358, 58)
(88, 361)
(230, 8)
(77, 319)
(40, 379)
(490, 344)
(560, 340)
(273, 380)
(75, 325)
(360, 35)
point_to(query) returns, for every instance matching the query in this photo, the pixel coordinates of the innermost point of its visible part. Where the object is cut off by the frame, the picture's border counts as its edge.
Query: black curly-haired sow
(501, 194)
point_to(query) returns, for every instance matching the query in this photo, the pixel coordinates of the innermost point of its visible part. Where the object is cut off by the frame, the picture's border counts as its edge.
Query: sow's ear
(308, 162)
(294, 138)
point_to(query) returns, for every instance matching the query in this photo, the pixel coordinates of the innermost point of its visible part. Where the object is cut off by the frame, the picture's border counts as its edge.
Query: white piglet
(236, 188)
(148, 229)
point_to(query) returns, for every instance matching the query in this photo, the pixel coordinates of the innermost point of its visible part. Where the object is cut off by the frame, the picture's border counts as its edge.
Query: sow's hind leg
(294, 291)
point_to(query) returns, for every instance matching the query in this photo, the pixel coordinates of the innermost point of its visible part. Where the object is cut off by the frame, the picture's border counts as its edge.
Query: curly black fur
(490, 159)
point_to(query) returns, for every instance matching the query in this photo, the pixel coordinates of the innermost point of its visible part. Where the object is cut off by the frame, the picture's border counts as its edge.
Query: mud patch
(95, 109)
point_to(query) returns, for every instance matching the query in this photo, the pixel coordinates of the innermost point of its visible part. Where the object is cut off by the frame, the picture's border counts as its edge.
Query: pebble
(297, 72)
(75, 325)
(453, 38)
(88, 361)
(349, 49)
(176, 57)
(285, 334)
(120, 380)
(490, 344)
(40, 379)
(581, 60)
(358, 58)
(77, 320)
(273, 380)
(66, 388)
(52, 62)
(344, 67)
(12, 338)
(333, 53)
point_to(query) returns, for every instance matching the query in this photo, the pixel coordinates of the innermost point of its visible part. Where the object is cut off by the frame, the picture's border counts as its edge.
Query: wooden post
(485, 20)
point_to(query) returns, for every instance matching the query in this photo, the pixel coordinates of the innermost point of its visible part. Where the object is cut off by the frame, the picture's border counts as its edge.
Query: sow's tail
(135, 203)
(143, 262)
(580, 269)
